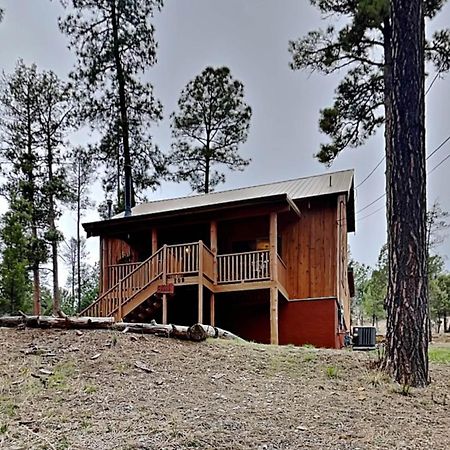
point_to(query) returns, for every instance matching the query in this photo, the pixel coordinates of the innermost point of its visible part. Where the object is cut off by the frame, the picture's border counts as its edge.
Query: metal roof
(324, 184)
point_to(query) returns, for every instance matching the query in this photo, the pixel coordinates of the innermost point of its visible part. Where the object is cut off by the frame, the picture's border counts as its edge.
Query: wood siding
(114, 251)
(342, 259)
(309, 250)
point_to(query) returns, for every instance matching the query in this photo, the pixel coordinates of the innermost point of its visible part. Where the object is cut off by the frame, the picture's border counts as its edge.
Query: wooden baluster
(120, 301)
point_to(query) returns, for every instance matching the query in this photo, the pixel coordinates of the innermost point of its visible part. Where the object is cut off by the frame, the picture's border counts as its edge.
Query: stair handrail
(152, 280)
(104, 295)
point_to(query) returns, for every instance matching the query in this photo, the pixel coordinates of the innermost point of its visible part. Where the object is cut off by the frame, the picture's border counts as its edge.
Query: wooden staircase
(130, 291)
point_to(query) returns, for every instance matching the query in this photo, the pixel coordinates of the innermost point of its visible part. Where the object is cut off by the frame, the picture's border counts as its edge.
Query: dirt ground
(100, 390)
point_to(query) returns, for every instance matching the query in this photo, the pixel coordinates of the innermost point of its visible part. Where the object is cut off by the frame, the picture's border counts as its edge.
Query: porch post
(164, 276)
(164, 309)
(104, 263)
(213, 241)
(200, 282)
(213, 245)
(274, 279)
(154, 240)
(212, 309)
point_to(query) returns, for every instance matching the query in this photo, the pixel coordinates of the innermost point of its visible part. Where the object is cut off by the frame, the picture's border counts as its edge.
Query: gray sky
(251, 37)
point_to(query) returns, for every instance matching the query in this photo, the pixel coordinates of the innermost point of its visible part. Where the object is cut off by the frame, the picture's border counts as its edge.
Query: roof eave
(95, 228)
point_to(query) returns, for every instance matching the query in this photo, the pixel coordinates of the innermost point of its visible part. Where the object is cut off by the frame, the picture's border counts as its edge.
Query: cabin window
(262, 244)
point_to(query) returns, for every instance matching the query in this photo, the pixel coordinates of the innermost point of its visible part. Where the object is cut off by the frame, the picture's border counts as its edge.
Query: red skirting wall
(312, 322)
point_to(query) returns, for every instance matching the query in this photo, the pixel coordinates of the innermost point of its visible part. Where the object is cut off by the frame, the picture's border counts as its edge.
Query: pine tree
(55, 120)
(15, 285)
(81, 177)
(212, 121)
(114, 43)
(35, 118)
(362, 46)
(75, 255)
(382, 46)
(19, 126)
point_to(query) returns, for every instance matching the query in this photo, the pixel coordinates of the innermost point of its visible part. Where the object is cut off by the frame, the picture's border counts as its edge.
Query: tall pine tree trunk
(29, 196)
(79, 237)
(124, 124)
(406, 303)
(52, 223)
(36, 292)
(207, 169)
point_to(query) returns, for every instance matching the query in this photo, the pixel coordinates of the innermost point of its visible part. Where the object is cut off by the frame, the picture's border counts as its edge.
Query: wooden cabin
(268, 262)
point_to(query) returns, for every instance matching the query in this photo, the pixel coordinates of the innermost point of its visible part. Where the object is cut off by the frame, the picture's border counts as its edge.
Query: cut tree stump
(197, 332)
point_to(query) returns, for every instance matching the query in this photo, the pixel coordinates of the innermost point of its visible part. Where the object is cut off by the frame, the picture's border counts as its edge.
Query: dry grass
(214, 395)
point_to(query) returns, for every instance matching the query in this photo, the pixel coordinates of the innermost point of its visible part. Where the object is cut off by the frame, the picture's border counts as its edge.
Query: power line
(370, 174)
(384, 157)
(427, 158)
(371, 214)
(371, 203)
(433, 81)
(382, 207)
(436, 166)
(438, 148)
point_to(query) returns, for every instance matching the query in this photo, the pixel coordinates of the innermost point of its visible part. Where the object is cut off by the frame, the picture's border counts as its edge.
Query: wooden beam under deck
(236, 287)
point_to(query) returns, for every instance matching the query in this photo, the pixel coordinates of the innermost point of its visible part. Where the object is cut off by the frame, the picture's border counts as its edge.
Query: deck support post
(273, 235)
(213, 246)
(164, 274)
(200, 282)
(154, 240)
(164, 309)
(212, 309)
(274, 315)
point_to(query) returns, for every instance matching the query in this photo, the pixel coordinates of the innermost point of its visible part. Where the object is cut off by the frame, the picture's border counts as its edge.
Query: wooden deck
(187, 264)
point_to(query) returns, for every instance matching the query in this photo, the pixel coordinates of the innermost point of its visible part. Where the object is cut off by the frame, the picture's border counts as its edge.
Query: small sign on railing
(166, 289)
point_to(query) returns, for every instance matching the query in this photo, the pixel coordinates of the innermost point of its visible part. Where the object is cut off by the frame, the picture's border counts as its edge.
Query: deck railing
(182, 259)
(126, 280)
(118, 271)
(208, 262)
(242, 267)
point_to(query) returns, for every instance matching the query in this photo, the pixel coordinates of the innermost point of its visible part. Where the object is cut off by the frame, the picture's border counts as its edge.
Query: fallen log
(197, 332)
(57, 322)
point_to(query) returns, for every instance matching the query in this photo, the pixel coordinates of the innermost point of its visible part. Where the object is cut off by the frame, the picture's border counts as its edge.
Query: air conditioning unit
(364, 338)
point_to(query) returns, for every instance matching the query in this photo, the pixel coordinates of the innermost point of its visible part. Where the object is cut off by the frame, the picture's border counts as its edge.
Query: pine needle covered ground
(101, 390)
